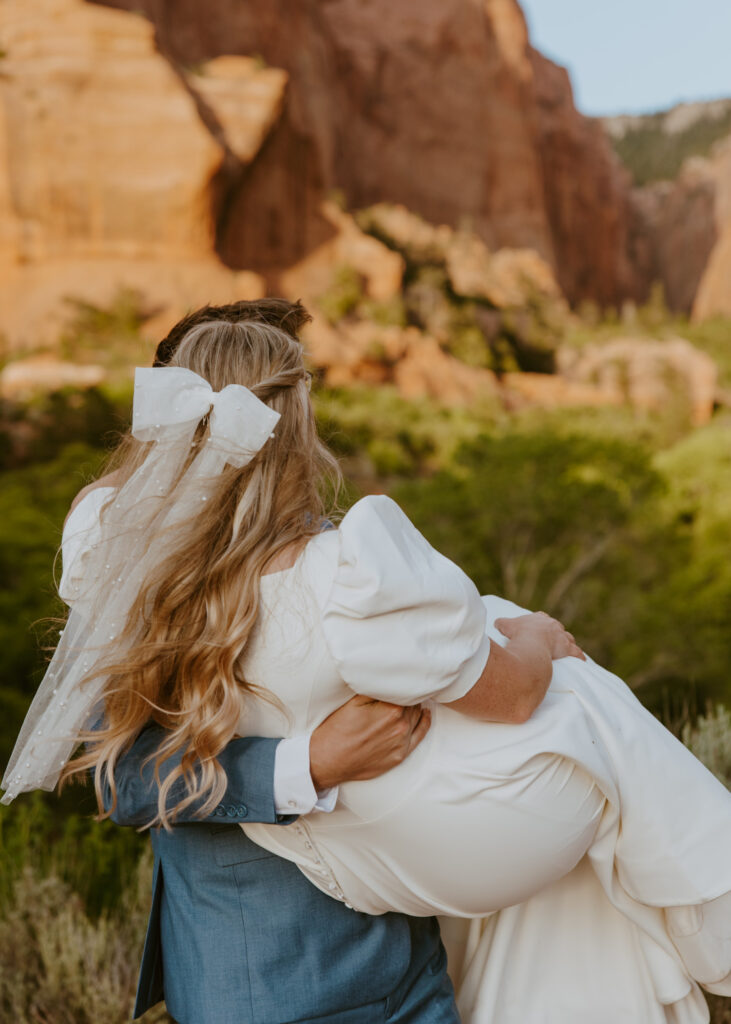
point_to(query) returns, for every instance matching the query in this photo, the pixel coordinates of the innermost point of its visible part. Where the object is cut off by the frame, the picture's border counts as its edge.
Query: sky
(636, 56)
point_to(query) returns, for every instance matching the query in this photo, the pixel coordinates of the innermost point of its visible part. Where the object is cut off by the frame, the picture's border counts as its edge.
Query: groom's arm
(271, 780)
(247, 763)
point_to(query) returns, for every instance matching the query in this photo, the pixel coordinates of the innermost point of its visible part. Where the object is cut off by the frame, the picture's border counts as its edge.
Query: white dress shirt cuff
(294, 791)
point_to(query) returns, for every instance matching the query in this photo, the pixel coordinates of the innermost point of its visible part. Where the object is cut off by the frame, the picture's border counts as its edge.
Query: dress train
(568, 949)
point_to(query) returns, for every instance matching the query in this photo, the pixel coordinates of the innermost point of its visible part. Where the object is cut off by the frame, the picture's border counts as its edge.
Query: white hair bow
(169, 400)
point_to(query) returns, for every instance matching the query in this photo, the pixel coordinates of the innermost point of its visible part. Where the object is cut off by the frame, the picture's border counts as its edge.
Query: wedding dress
(599, 846)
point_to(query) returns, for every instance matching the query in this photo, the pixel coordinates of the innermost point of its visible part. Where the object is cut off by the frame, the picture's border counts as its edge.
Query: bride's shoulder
(100, 486)
(364, 527)
(376, 528)
(375, 512)
(376, 547)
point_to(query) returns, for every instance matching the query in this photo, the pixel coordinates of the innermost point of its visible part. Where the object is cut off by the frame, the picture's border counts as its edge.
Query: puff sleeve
(403, 623)
(80, 532)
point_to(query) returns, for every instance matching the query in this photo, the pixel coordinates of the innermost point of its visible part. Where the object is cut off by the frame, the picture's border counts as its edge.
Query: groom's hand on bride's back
(363, 739)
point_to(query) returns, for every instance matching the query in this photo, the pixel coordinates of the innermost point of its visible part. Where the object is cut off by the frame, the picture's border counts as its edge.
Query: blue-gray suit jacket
(237, 935)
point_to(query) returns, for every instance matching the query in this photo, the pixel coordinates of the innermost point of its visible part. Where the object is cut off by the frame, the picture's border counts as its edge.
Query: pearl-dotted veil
(169, 404)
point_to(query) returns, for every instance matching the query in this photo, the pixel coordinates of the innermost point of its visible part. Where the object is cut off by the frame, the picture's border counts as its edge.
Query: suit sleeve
(249, 767)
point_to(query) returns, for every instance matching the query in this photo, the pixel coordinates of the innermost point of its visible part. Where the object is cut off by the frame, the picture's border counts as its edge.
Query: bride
(543, 796)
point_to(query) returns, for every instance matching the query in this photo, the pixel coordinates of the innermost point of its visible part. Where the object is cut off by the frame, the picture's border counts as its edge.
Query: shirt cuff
(294, 792)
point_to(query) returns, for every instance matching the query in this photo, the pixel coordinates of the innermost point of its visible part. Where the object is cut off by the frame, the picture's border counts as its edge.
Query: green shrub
(58, 965)
(33, 503)
(109, 335)
(344, 294)
(710, 741)
(584, 528)
(59, 837)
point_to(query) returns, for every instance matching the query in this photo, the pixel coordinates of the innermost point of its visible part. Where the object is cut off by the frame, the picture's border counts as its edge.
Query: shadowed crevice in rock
(271, 217)
(677, 231)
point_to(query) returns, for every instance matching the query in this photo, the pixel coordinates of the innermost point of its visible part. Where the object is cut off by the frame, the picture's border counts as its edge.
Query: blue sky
(634, 56)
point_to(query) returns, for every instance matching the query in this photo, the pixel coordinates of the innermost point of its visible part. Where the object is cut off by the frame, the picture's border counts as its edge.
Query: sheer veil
(136, 531)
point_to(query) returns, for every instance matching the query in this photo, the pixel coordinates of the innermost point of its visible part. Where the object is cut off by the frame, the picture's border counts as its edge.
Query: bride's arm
(516, 676)
(404, 624)
(110, 480)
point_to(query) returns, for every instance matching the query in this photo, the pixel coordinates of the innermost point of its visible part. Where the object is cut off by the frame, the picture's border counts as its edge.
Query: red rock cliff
(442, 106)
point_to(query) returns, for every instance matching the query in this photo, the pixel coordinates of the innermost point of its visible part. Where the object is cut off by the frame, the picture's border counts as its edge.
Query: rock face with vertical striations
(685, 231)
(194, 151)
(107, 169)
(714, 290)
(106, 153)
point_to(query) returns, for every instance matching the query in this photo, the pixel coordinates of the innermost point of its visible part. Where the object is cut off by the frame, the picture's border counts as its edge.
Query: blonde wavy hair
(193, 619)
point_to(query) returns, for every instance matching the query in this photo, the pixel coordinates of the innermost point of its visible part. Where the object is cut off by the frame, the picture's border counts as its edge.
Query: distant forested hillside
(654, 146)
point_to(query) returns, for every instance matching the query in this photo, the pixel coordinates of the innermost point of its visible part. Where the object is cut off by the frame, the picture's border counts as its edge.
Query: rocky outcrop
(192, 152)
(107, 167)
(36, 311)
(26, 377)
(587, 196)
(239, 100)
(450, 113)
(675, 228)
(106, 154)
(553, 391)
(380, 268)
(714, 290)
(506, 279)
(359, 352)
(649, 374)
(683, 234)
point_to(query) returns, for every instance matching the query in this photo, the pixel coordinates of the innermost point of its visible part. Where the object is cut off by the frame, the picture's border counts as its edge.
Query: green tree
(571, 524)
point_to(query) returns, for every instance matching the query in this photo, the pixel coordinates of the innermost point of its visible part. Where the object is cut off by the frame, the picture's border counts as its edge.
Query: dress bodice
(369, 608)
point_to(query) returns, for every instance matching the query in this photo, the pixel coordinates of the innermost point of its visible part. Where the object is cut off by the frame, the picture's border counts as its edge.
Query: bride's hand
(560, 643)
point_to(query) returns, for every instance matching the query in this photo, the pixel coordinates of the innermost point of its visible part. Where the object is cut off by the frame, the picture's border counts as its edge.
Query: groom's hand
(363, 739)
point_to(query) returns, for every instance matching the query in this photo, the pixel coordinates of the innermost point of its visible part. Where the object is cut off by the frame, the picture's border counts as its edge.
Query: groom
(236, 934)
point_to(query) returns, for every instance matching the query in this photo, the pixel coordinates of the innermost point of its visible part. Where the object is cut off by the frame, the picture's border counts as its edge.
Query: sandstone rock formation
(106, 153)
(508, 278)
(445, 109)
(675, 228)
(714, 291)
(364, 353)
(25, 377)
(107, 167)
(380, 267)
(553, 391)
(649, 374)
(680, 228)
(190, 152)
(426, 371)
(239, 100)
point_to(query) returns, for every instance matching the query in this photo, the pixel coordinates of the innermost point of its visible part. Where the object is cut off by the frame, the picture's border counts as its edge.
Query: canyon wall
(443, 107)
(107, 170)
(189, 150)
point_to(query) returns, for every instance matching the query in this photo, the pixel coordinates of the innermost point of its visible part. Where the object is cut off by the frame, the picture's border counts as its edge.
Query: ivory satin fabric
(590, 830)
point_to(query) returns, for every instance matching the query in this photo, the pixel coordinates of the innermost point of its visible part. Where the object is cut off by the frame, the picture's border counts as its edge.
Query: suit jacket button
(243, 810)
(231, 811)
(221, 811)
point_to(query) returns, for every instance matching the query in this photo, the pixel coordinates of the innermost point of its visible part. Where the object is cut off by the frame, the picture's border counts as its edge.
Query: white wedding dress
(599, 846)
